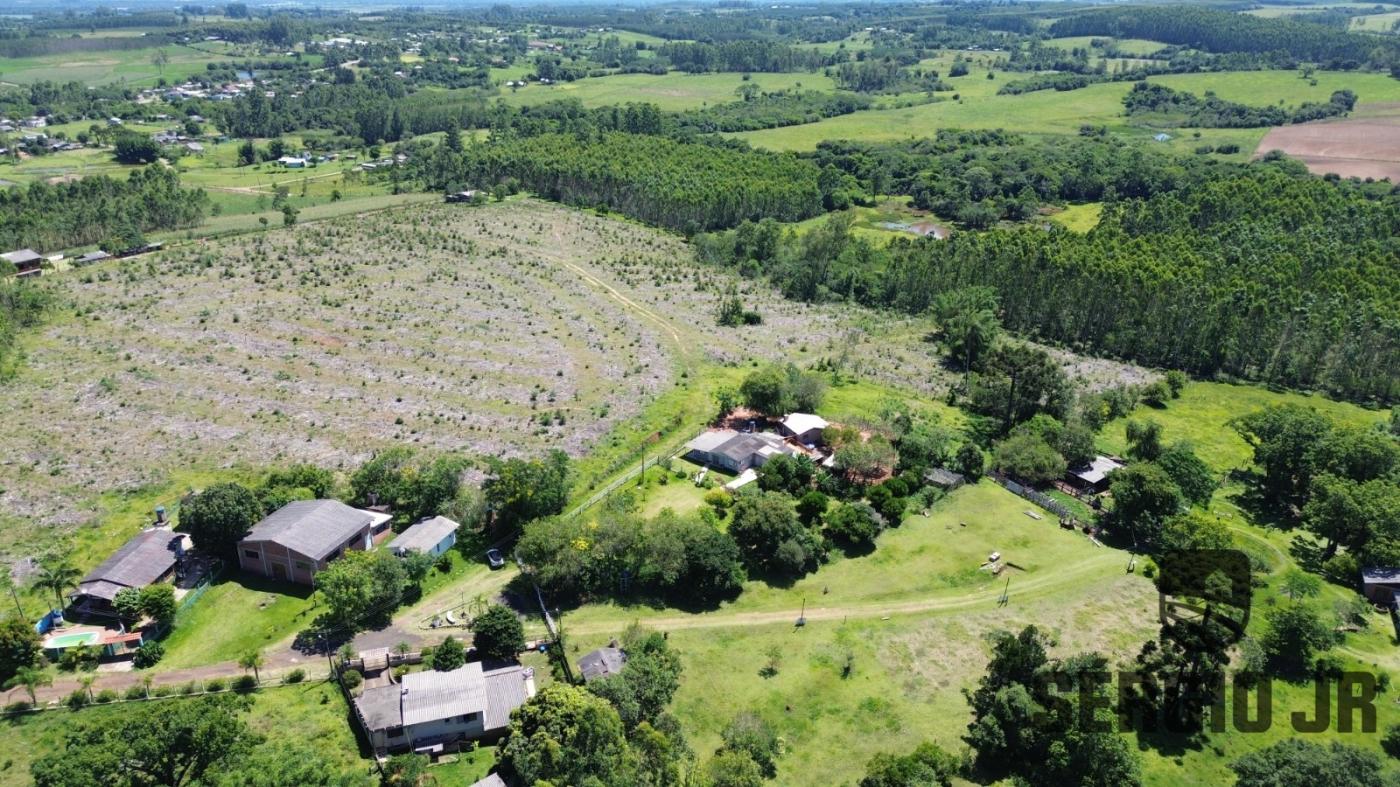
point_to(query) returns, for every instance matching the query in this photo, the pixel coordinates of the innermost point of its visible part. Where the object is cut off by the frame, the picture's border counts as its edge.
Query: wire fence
(1039, 498)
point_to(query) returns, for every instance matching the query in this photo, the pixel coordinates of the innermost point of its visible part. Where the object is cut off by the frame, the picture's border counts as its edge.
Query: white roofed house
(432, 536)
(431, 712)
(734, 451)
(1093, 477)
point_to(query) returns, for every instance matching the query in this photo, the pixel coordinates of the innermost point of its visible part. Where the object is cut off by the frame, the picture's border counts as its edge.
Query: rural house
(601, 663)
(26, 261)
(304, 536)
(735, 452)
(431, 712)
(431, 537)
(805, 428)
(150, 557)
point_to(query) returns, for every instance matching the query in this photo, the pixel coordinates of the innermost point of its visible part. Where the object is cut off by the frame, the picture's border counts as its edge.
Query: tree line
(98, 208)
(1227, 31)
(1211, 111)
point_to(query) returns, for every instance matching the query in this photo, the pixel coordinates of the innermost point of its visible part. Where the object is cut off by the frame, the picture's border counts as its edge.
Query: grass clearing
(239, 613)
(671, 92)
(1202, 415)
(1079, 218)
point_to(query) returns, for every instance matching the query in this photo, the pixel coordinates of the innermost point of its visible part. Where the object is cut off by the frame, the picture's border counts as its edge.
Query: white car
(994, 557)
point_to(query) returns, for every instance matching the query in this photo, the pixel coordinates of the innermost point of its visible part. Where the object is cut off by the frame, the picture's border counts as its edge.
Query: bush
(17, 707)
(295, 676)
(444, 562)
(135, 692)
(498, 634)
(352, 679)
(78, 699)
(189, 688)
(1390, 740)
(1342, 569)
(162, 691)
(106, 695)
(245, 683)
(215, 684)
(449, 655)
(148, 655)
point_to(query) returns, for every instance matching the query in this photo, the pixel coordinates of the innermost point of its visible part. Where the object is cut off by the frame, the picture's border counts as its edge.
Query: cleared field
(671, 92)
(1363, 147)
(1133, 46)
(1079, 218)
(505, 329)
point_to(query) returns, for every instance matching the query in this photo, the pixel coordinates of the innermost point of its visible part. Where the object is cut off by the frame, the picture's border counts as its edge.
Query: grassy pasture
(1142, 47)
(237, 614)
(1202, 415)
(671, 92)
(1079, 218)
(132, 66)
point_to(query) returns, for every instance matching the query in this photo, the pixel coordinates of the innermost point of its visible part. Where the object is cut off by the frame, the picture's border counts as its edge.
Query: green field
(1134, 46)
(1053, 112)
(1079, 218)
(1203, 413)
(239, 613)
(131, 66)
(670, 92)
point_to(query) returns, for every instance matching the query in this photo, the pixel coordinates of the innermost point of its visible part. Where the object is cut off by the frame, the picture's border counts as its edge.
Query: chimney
(160, 515)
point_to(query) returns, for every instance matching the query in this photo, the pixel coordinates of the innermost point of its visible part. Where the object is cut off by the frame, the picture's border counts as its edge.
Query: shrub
(189, 688)
(105, 696)
(498, 634)
(76, 700)
(449, 655)
(352, 679)
(215, 684)
(295, 676)
(1390, 740)
(148, 655)
(162, 691)
(135, 692)
(245, 683)
(444, 562)
(17, 707)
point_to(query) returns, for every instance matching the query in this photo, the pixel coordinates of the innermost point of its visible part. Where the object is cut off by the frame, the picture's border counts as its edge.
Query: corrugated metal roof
(425, 535)
(431, 695)
(139, 562)
(602, 662)
(314, 528)
(506, 690)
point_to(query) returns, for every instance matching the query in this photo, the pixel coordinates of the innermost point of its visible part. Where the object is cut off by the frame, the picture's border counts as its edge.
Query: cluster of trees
(1215, 112)
(769, 110)
(97, 208)
(415, 487)
(1150, 494)
(1226, 31)
(1342, 482)
(887, 75)
(22, 305)
(179, 742)
(746, 55)
(1061, 81)
(683, 186)
(614, 732)
(220, 515)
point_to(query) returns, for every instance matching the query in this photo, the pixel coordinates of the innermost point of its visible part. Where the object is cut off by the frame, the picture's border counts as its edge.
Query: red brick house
(303, 537)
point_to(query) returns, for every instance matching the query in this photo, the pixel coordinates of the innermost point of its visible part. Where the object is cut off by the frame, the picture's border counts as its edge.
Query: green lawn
(132, 66)
(1202, 416)
(1132, 46)
(237, 614)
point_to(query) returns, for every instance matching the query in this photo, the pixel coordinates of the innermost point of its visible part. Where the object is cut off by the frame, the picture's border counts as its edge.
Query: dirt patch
(1362, 147)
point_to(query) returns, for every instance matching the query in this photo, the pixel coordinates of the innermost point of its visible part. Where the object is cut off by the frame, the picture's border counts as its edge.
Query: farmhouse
(304, 536)
(601, 663)
(804, 427)
(1093, 477)
(1380, 585)
(26, 261)
(944, 479)
(150, 557)
(431, 537)
(734, 451)
(430, 712)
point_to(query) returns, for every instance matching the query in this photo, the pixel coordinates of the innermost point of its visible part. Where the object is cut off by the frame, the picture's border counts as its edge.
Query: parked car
(994, 557)
(495, 558)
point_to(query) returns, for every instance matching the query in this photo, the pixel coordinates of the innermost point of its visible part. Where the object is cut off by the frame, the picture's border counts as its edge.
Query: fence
(1039, 498)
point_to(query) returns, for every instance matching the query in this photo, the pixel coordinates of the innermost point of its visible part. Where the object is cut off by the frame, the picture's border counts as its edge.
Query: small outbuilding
(149, 557)
(944, 479)
(431, 537)
(806, 428)
(1093, 477)
(601, 663)
(1380, 584)
(27, 262)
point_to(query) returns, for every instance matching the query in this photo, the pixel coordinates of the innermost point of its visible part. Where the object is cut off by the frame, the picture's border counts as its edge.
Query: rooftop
(314, 528)
(21, 256)
(430, 695)
(601, 663)
(1380, 576)
(1097, 470)
(798, 423)
(424, 535)
(139, 562)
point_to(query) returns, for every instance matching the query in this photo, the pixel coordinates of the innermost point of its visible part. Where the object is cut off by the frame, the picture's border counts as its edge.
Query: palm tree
(58, 576)
(252, 660)
(30, 678)
(86, 681)
(146, 681)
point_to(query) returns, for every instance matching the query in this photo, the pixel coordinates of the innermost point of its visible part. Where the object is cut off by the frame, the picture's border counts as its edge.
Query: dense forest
(1260, 272)
(1214, 112)
(682, 186)
(695, 58)
(1224, 31)
(97, 209)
